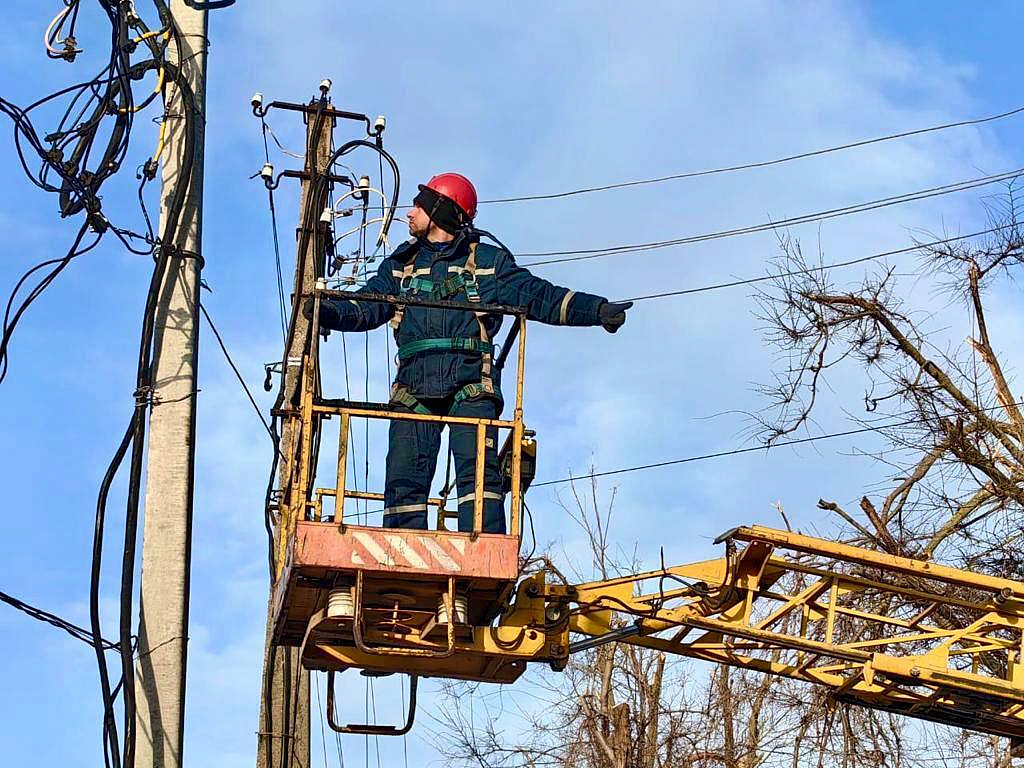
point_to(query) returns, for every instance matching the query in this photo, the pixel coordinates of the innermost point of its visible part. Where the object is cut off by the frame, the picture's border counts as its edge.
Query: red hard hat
(456, 187)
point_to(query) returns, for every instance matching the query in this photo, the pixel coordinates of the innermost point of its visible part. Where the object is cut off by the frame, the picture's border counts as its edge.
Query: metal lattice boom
(887, 632)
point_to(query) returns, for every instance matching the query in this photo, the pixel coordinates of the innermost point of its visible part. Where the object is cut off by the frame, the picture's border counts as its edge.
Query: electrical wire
(320, 706)
(373, 704)
(808, 270)
(53, 29)
(738, 451)
(268, 426)
(583, 254)
(405, 736)
(280, 146)
(75, 197)
(13, 316)
(820, 268)
(719, 454)
(111, 742)
(382, 236)
(277, 241)
(133, 442)
(77, 632)
(309, 231)
(135, 435)
(234, 368)
(759, 164)
(143, 180)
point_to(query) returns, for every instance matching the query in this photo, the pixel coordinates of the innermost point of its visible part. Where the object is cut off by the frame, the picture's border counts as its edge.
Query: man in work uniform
(446, 356)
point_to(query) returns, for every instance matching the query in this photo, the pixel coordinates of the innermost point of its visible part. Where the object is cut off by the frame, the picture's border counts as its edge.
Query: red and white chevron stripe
(409, 551)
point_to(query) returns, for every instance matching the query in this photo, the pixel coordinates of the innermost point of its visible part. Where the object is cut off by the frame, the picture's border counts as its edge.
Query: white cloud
(542, 98)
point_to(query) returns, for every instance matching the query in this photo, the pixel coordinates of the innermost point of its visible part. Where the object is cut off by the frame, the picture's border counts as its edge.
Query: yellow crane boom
(888, 632)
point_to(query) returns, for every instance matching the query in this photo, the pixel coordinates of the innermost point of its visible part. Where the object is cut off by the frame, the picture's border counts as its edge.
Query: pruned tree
(950, 420)
(624, 706)
(953, 434)
(616, 706)
(952, 423)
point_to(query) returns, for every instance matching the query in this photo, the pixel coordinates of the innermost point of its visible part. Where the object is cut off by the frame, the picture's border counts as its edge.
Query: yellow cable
(162, 72)
(166, 32)
(159, 86)
(161, 141)
(160, 80)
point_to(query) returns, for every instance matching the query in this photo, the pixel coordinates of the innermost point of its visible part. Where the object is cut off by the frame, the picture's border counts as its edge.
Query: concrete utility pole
(167, 527)
(284, 705)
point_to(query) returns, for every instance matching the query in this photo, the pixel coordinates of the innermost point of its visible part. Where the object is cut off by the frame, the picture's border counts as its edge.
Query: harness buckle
(469, 282)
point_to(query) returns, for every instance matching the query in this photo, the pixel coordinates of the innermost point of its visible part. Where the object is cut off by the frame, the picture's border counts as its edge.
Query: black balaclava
(442, 210)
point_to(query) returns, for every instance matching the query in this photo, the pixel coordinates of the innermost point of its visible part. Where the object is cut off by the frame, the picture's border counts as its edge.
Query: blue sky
(523, 98)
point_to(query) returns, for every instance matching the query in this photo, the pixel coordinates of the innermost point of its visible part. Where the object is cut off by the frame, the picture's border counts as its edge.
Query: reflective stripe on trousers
(412, 459)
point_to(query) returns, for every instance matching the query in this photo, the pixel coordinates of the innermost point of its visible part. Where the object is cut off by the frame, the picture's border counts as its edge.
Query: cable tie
(157, 401)
(208, 5)
(174, 252)
(71, 49)
(145, 395)
(98, 223)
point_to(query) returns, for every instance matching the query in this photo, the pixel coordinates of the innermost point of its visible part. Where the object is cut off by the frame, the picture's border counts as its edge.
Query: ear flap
(442, 210)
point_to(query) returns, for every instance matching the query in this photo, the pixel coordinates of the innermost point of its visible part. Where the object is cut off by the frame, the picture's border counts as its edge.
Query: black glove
(329, 317)
(613, 314)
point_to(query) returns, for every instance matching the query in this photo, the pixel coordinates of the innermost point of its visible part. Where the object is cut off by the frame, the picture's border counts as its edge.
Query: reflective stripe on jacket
(441, 373)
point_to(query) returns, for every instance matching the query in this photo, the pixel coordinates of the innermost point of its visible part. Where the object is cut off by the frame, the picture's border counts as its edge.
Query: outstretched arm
(544, 301)
(353, 315)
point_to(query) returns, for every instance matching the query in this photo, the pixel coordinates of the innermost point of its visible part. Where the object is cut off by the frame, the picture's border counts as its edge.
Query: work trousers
(412, 459)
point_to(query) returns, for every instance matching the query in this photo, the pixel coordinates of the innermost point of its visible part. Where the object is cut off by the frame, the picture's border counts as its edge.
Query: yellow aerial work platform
(882, 631)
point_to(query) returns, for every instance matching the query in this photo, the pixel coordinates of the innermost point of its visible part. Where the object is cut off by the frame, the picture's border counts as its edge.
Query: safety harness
(464, 280)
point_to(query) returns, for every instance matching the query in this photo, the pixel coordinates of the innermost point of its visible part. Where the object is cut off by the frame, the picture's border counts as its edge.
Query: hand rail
(366, 728)
(408, 301)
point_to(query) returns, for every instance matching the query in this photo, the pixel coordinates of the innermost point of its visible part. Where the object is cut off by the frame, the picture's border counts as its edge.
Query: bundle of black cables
(75, 162)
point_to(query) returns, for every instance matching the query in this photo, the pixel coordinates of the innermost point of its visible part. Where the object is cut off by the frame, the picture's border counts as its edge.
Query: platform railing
(314, 409)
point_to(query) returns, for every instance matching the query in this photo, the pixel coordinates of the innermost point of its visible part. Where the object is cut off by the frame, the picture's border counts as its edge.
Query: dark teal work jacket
(439, 373)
